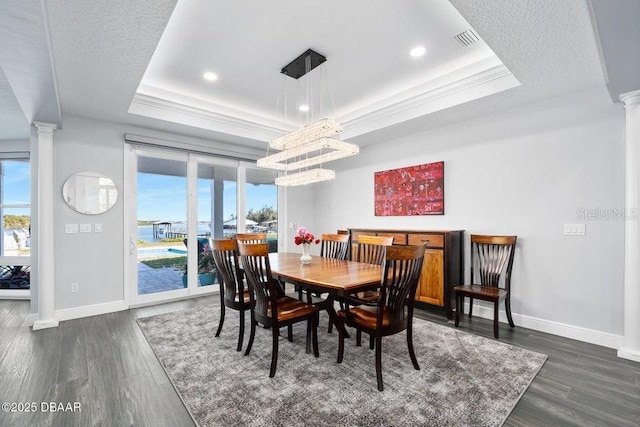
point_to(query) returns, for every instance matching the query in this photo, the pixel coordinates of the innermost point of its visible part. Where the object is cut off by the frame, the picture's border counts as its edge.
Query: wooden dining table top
(338, 277)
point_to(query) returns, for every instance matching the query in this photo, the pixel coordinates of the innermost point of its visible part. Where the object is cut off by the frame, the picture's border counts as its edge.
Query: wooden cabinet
(443, 266)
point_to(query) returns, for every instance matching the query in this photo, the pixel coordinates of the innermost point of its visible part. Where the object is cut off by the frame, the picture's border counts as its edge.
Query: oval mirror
(89, 193)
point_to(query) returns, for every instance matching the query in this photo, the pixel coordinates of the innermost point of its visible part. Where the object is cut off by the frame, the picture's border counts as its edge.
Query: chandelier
(311, 145)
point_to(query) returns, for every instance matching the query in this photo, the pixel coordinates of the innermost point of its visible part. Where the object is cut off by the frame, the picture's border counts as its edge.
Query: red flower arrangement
(304, 236)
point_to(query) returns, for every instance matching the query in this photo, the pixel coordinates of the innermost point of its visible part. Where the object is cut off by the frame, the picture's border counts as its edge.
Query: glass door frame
(132, 298)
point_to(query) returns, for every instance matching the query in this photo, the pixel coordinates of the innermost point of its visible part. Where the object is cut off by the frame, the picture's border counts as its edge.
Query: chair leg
(314, 331)
(412, 353)
(290, 333)
(495, 320)
(358, 337)
(371, 342)
(507, 306)
(340, 327)
(251, 335)
(379, 362)
(274, 351)
(330, 327)
(470, 306)
(241, 332)
(459, 304)
(221, 321)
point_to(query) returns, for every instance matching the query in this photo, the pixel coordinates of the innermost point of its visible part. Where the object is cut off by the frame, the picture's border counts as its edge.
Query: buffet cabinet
(443, 266)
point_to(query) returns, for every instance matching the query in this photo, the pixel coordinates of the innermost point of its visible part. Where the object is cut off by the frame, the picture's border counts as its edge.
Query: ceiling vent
(466, 38)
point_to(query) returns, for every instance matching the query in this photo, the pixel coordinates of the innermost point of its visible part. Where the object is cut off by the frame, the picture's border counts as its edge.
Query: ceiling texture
(127, 62)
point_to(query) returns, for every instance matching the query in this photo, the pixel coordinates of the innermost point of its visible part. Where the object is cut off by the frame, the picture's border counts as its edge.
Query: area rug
(464, 380)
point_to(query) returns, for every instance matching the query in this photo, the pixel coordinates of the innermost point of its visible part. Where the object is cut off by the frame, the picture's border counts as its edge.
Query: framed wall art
(414, 190)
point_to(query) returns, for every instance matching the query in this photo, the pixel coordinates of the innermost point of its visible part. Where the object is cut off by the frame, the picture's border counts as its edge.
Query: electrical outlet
(74, 287)
(97, 228)
(575, 229)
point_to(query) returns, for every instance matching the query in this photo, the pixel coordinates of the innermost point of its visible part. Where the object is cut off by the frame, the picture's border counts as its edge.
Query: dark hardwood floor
(105, 364)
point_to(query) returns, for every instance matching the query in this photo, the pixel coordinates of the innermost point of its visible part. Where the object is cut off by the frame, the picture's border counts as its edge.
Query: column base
(46, 323)
(629, 354)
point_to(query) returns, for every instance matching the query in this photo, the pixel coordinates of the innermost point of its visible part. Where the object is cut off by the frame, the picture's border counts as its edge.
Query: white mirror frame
(89, 193)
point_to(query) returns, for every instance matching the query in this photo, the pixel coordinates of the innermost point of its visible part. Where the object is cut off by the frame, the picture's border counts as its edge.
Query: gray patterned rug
(465, 380)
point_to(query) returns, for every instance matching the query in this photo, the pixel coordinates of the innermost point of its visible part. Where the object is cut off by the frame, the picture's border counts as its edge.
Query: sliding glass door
(181, 202)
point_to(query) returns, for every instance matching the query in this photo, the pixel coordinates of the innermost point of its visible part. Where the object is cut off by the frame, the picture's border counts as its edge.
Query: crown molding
(178, 112)
(478, 80)
(420, 103)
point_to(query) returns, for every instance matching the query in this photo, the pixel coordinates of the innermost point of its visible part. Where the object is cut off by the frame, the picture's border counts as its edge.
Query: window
(15, 195)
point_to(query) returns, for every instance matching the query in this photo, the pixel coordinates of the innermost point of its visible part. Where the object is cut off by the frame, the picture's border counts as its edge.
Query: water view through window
(162, 200)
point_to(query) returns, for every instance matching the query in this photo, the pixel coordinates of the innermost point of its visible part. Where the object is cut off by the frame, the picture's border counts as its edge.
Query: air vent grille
(466, 38)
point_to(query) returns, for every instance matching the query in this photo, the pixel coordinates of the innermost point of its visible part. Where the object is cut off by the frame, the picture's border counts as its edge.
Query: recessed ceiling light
(210, 76)
(303, 108)
(417, 51)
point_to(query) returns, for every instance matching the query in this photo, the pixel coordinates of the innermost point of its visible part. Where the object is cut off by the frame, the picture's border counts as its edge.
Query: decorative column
(44, 239)
(631, 346)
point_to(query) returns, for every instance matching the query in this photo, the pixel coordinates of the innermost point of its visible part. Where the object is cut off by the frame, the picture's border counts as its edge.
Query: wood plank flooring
(105, 364)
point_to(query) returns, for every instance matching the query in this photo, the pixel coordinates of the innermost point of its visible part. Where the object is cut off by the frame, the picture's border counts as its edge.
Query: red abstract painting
(415, 190)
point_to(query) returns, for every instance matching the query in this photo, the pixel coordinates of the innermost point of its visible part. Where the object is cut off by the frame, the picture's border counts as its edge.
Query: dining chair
(334, 245)
(393, 311)
(268, 307)
(371, 250)
(251, 237)
(233, 293)
(491, 265)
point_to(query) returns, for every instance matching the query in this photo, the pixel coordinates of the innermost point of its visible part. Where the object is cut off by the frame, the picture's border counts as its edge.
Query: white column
(44, 238)
(631, 346)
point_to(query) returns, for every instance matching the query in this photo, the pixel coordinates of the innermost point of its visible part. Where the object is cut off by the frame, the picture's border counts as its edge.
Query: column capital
(44, 127)
(630, 98)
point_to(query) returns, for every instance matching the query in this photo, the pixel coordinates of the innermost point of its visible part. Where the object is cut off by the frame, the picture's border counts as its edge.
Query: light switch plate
(97, 228)
(71, 228)
(85, 228)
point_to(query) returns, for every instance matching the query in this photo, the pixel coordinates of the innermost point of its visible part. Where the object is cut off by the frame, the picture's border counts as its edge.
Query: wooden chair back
(245, 238)
(402, 269)
(225, 256)
(492, 259)
(334, 246)
(372, 249)
(264, 290)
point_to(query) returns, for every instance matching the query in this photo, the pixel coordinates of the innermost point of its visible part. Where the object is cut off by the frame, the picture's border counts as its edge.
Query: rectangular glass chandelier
(324, 128)
(305, 177)
(312, 153)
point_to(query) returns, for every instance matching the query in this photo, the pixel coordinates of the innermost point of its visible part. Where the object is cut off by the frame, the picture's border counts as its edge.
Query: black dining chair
(268, 306)
(233, 293)
(491, 265)
(393, 311)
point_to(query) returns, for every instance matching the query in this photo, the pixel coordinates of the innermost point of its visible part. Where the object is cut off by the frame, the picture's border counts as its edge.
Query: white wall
(524, 172)
(95, 260)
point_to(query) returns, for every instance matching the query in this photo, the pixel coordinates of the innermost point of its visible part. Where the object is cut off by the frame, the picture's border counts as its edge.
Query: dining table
(334, 277)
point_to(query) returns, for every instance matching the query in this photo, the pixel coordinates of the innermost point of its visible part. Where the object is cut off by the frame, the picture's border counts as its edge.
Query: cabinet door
(431, 286)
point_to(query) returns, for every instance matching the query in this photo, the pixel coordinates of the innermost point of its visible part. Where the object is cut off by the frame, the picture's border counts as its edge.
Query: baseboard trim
(91, 310)
(45, 324)
(80, 312)
(629, 354)
(550, 327)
